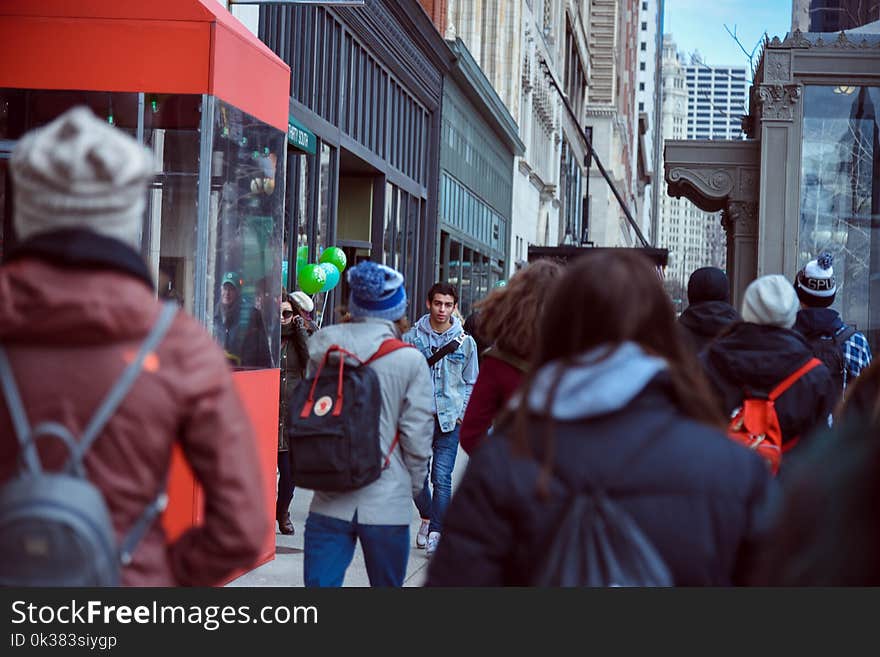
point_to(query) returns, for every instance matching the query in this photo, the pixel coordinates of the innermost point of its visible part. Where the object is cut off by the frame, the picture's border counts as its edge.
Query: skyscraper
(716, 100)
(833, 15)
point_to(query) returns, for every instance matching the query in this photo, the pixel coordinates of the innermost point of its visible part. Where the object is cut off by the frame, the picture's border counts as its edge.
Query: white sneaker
(431, 546)
(422, 536)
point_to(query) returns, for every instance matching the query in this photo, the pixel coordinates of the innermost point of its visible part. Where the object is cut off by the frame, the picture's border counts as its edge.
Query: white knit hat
(80, 172)
(770, 300)
(302, 300)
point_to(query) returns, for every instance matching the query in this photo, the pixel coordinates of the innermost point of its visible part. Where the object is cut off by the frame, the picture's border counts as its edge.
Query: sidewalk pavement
(287, 567)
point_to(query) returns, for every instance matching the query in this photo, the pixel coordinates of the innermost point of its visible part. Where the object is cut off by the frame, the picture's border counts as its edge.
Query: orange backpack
(755, 424)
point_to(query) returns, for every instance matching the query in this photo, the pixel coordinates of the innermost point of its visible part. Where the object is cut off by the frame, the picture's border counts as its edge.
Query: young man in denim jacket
(453, 378)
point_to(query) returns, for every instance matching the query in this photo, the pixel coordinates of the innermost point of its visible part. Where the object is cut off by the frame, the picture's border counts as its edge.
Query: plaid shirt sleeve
(857, 355)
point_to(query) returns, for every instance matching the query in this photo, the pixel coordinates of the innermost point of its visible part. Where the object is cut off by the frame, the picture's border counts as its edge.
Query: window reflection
(840, 196)
(245, 233)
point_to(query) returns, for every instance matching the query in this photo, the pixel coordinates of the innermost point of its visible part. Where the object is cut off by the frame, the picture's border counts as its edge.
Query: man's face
(441, 307)
(228, 294)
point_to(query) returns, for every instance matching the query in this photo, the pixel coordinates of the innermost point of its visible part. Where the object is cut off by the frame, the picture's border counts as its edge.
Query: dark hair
(443, 288)
(510, 315)
(605, 299)
(862, 398)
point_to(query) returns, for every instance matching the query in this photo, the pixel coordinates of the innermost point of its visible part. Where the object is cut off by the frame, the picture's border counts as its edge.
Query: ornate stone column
(777, 101)
(740, 221)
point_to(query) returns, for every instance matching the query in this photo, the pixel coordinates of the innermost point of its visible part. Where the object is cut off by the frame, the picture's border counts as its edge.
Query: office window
(644, 25)
(644, 6)
(641, 86)
(642, 66)
(644, 46)
(641, 107)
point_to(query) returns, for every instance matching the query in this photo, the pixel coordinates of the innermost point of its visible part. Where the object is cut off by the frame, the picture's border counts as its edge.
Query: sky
(699, 25)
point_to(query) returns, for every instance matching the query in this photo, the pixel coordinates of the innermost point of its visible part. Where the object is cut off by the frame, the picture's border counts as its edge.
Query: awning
(159, 46)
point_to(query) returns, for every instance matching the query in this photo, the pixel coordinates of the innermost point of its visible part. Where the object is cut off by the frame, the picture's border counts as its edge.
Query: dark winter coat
(500, 376)
(757, 358)
(74, 308)
(700, 498)
(294, 359)
(702, 322)
(243, 336)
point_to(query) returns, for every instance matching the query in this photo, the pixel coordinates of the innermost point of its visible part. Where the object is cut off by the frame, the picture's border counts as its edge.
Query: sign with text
(301, 137)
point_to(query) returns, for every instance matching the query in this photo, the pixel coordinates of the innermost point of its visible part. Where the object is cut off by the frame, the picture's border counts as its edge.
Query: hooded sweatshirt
(704, 321)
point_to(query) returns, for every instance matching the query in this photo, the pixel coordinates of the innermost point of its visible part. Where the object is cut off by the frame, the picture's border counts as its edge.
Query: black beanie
(708, 284)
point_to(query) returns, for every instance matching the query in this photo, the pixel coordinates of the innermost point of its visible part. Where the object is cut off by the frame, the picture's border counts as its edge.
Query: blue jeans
(445, 448)
(329, 548)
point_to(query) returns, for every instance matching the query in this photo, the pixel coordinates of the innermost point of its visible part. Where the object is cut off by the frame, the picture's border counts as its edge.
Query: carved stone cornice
(777, 101)
(710, 187)
(777, 66)
(797, 39)
(740, 219)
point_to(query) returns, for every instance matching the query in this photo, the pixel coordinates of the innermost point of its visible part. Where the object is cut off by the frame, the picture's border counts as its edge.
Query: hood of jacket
(362, 337)
(817, 321)
(431, 337)
(74, 287)
(707, 319)
(597, 384)
(757, 355)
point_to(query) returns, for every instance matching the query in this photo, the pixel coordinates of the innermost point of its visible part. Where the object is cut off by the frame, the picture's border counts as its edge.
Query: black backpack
(828, 348)
(598, 544)
(333, 428)
(55, 528)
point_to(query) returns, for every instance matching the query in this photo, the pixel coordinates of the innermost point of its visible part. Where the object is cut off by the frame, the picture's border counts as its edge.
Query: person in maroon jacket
(509, 319)
(76, 302)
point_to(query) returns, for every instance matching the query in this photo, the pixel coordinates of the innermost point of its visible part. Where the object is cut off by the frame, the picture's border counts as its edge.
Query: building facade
(612, 117)
(649, 105)
(716, 100)
(479, 141)
(833, 15)
(368, 85)
(694, 237)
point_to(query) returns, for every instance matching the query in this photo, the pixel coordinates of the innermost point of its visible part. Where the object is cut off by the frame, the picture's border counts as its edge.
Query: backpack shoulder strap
(844, 334)
(388, 346)
(792, 378)
(18, 415)
(447, 349)
(123, 383)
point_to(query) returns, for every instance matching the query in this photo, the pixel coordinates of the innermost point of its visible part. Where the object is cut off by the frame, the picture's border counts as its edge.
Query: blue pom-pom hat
(376, 291)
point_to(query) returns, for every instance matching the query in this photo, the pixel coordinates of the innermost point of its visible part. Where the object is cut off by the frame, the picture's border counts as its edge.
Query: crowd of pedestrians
(609, 442)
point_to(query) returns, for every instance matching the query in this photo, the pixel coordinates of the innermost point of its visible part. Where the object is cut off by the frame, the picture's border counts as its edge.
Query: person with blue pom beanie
(842, 348)
(378, 514)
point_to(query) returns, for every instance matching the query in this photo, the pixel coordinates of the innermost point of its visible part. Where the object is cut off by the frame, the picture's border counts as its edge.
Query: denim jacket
(453, 377)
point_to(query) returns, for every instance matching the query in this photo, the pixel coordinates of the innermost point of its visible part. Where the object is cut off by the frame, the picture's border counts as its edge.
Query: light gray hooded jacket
(405, 385)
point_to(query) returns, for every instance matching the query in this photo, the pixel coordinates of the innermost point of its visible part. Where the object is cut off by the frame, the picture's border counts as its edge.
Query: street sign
(301, 137)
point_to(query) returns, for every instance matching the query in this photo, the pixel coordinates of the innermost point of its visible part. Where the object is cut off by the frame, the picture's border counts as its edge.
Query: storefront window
(171, 132)
(244, 236)
(840, 196)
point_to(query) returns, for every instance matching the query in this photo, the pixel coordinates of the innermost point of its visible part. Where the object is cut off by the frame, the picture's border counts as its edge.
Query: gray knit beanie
(80, 172)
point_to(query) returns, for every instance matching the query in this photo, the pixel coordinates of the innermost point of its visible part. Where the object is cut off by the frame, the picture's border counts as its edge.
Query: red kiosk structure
(211, 101)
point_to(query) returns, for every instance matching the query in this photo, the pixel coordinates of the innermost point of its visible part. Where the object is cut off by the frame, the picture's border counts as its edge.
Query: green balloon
(335, 256)
(311, 279)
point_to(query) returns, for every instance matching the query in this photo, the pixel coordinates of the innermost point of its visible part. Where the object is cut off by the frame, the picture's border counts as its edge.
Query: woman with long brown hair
(509, 319)
(615, 405)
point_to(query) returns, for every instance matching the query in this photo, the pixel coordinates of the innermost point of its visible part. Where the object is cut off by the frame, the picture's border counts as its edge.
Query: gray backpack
(55, 528)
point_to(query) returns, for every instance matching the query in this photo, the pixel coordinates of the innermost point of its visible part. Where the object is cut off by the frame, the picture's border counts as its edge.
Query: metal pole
(593, 154)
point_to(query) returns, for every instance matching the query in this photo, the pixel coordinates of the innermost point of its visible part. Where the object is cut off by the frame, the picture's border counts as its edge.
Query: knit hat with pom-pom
(376, 291)
(815, 282)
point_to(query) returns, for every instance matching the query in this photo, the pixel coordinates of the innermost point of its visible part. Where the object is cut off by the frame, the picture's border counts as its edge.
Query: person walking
(378, 514)
(617, 407)
(754, 356)
(709, 310)
(510, 317)
(843, 349)
(452, 356)
(295, 331)
(76, 302)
